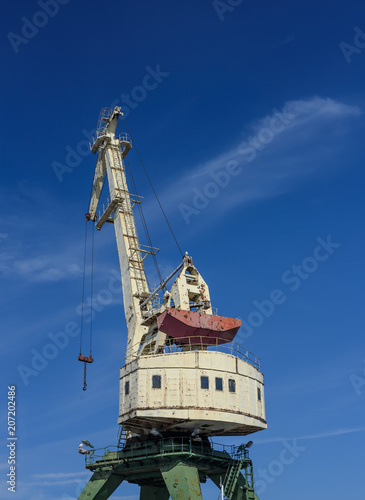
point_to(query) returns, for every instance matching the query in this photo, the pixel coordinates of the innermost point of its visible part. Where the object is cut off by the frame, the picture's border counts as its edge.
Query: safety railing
(199, 343)
(125, 138)
(103, 207)
(104, 116)
(165, 446)
(133, 198)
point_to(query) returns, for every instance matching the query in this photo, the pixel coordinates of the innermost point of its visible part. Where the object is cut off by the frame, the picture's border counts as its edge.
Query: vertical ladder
(135, 260)
(122, 436)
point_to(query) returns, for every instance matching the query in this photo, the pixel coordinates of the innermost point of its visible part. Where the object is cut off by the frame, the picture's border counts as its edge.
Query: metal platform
(170, 468)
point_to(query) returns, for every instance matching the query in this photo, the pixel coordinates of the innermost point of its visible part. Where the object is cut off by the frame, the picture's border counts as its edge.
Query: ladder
(231, 478)
(122, 436)
(135, 261)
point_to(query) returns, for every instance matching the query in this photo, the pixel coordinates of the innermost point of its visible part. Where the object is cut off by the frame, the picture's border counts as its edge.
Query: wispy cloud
(61, 475)
(67, 478)
(278, 151)
(320, 435)
(57, 482)
(22, 260)
(44, 269)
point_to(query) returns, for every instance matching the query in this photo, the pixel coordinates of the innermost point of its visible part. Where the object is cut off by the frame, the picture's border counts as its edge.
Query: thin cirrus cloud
(43, 269)
(61, 475)
(320, 435)
(48, 267)
(287, 146)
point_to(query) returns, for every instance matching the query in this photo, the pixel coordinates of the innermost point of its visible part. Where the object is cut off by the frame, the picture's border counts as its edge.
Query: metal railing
(185, 344)
(103, 207)
(134, 199)
(105, 114)
(123, 137)
(165, 446)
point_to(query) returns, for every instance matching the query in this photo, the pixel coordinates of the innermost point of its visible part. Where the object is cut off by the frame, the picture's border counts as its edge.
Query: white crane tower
(184, 379)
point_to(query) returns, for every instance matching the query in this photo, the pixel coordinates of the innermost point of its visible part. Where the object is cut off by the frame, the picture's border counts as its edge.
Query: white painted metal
(180, 403)
(189, 289)
(134, 281)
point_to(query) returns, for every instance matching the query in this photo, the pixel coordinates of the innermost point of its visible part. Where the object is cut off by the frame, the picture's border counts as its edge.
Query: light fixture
(87, 443)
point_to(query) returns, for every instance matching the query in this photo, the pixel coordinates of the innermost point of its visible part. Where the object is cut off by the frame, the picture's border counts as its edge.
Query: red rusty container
(198, 328)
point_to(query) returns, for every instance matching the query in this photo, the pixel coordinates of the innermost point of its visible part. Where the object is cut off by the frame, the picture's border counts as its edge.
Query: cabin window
(259, 393)
(156, 381)
(218, 384)
(231, 385)
(126, 388)
(204, 382)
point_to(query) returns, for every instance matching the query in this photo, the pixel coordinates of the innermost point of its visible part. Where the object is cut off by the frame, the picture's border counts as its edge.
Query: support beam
(109, 209)
(241, 492)
(182, 481)
(154, 493)
(101, 485)
(169, 467)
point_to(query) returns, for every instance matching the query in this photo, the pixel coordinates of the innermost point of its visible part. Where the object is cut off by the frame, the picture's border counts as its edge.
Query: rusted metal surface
(85, 359)
(198, 327)
(182, 481)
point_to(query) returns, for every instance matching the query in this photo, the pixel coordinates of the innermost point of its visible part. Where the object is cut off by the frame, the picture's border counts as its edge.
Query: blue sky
(249, 117)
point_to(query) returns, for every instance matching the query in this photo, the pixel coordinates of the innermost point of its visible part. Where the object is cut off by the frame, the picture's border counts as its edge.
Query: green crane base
(170, 468)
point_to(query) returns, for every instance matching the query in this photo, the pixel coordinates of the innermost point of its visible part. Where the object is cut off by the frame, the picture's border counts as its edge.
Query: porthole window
(218, 384)
(156, 381)
(231, 385)
(259, 393)
(204, 382)
(126, 388)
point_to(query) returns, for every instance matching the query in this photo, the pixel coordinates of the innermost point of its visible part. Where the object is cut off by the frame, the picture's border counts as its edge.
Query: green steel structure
(171, 468)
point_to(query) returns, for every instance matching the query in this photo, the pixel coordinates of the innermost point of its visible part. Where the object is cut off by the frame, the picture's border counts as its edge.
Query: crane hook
(85, 359)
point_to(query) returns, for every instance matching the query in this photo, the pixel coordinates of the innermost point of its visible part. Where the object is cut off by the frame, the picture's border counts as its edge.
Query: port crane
(185, 380)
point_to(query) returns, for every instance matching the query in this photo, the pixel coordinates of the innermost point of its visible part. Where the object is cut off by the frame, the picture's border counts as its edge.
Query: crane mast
(111, 152)
(184, 379)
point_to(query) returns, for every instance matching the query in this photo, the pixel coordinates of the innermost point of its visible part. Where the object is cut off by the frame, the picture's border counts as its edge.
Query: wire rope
(83, 288)
(153, 189)
(92, 288)
(144, 223)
